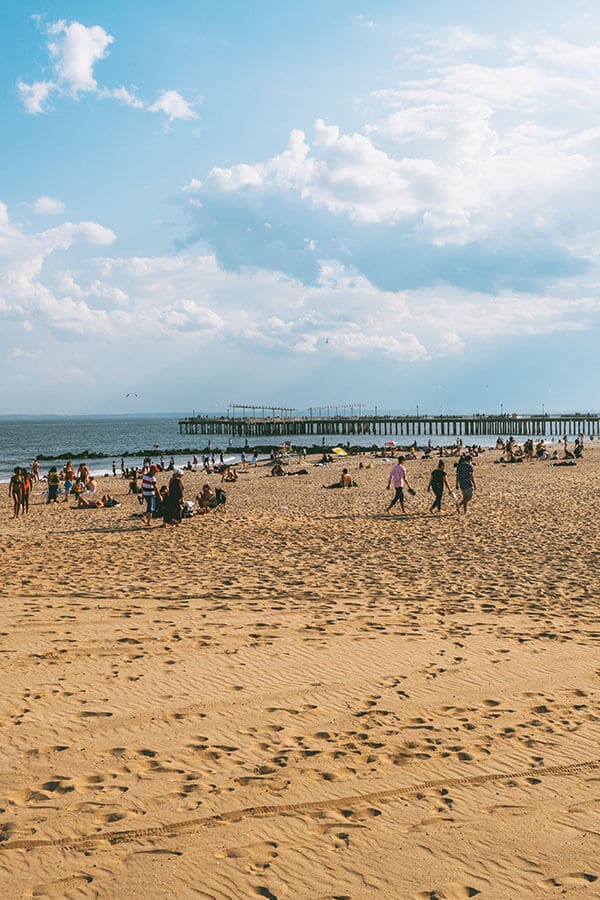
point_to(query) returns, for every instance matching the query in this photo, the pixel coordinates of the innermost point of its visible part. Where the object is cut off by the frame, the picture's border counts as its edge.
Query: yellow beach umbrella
(339, 451)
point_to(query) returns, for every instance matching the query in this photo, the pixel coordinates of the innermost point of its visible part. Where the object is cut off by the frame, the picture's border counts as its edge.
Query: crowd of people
(168, 503)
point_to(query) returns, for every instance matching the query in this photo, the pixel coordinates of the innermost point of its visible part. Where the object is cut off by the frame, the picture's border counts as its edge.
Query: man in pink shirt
(398, 479)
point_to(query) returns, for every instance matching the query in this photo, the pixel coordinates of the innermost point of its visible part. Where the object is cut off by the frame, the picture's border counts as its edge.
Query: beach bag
(188, 509)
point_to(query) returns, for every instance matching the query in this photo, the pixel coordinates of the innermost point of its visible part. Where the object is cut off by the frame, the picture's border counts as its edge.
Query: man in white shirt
(398, 479)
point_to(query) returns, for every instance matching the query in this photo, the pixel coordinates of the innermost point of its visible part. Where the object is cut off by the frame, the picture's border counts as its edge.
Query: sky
(299, 204)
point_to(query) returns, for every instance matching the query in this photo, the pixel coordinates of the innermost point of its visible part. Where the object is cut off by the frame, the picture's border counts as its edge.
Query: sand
(303, 697)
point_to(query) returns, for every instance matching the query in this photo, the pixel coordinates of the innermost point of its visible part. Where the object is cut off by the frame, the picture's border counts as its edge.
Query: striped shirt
(148, 485)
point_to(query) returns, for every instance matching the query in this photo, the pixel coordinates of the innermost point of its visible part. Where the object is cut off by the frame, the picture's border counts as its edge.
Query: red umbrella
(390, 444)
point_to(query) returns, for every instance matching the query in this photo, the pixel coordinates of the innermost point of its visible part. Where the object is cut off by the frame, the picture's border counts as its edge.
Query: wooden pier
(534, 424)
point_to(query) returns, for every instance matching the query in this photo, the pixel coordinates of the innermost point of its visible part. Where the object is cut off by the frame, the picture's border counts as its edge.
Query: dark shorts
(150, 502)
(467, 493)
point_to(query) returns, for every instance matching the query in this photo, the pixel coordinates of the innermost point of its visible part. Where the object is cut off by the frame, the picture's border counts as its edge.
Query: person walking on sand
(149, 493)
(26, 492)
(465, 480)
(398, 479)
(437, 483)
(16, 487)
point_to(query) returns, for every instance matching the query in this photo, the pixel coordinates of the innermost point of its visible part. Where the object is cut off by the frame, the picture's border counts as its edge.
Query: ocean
(22, 439)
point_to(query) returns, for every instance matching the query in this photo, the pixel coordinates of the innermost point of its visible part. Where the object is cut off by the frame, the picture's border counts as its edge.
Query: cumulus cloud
(189, 298)
(481, 149)
(173, 105)
(34, 96)
(25, 292)
(433, 227)
(74, 50)
(47, 206)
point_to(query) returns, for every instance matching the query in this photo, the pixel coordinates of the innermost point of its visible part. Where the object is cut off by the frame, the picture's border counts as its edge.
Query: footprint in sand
(450, 891)
(62, 887)
(256, 858)
(570, 879)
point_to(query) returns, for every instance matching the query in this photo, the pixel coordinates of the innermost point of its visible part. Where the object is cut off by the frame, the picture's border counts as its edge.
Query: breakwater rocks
(203, 451)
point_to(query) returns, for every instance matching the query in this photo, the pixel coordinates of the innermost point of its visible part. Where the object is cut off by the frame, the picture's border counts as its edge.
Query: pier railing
(534, 424)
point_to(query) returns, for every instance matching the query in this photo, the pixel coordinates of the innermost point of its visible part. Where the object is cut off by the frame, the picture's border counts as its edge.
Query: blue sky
(299, 203)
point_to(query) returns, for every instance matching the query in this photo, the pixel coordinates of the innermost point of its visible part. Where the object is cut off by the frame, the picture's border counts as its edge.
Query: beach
(303, 696)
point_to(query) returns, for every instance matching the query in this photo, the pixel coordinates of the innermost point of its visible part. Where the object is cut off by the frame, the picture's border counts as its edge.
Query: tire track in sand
(406, 793)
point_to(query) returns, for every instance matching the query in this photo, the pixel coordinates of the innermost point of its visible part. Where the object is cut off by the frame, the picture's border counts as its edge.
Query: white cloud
(127, 98)
(458, 40)
(75, 49)
(173, 105)
(96, 234)
(186, 298)
(34, 96)
(466, 150)
(47, 206)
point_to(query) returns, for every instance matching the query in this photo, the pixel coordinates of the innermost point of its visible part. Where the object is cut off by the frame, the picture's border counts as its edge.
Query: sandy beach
(301, 696)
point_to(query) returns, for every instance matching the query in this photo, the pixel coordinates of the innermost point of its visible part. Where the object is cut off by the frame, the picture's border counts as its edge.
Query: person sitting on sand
(344, 482)
(277, 471)
(437, 483)
(206, 499)
(229, 474)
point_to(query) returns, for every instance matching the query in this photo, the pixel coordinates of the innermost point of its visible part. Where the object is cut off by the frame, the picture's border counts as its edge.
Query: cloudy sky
(299, 203)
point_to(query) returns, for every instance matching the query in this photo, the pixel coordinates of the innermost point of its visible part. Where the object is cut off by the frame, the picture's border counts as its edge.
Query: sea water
(22, 439)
